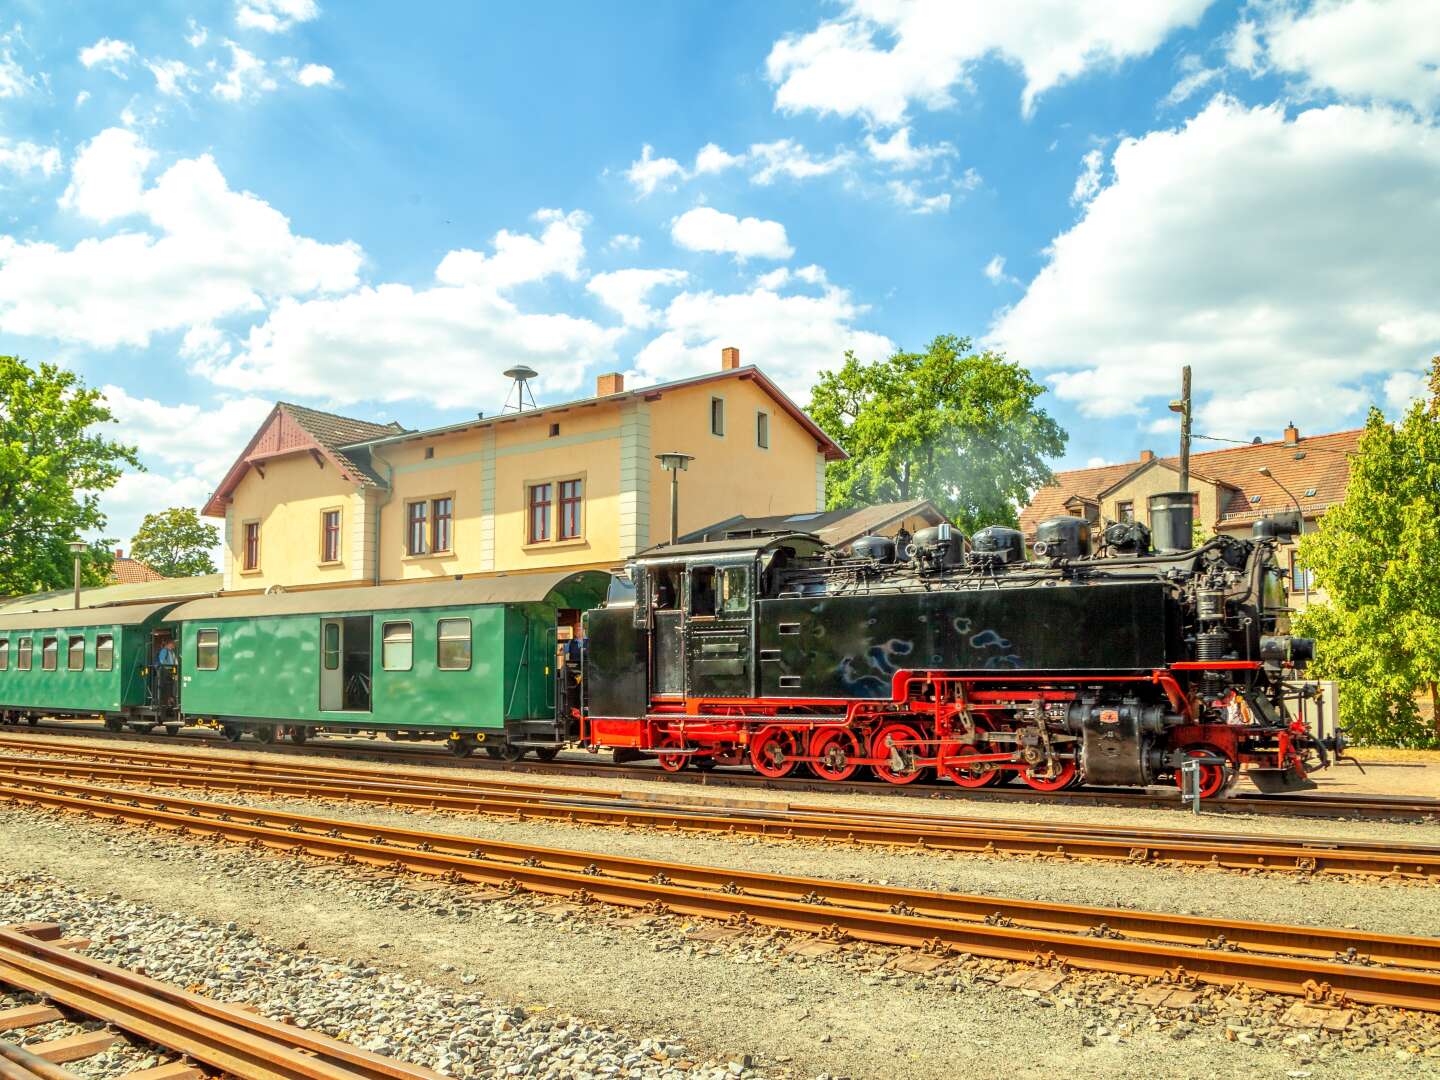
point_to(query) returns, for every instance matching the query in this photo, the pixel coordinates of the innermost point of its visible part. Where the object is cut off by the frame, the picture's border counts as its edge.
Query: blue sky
(206, 206)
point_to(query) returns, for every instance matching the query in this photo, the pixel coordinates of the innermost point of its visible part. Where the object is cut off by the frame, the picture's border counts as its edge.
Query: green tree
(176, 543)
(1375, 555)
(951, 425)
(54, 466)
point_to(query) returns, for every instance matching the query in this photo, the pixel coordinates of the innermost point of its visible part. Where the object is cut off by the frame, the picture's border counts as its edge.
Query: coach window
(49, 653)
(22, 654)
(734, 595)
(75, 653)
(702, 591)
(207, 650)
(4, 656)
(104, 652)
(332, 646)
(452, 646)
(397, 646)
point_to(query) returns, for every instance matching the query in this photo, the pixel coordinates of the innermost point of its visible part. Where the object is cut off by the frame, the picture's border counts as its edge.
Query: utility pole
(78, 548)
(1182, 406)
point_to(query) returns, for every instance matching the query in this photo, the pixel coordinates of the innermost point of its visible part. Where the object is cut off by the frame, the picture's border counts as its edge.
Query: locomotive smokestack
(1172, 521)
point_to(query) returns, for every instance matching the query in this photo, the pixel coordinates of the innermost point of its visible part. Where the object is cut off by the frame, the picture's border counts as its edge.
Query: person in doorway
(167, 663)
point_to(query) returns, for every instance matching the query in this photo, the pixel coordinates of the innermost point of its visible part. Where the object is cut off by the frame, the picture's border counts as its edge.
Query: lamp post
(674, 463)
(78, 548)
(1265, 472)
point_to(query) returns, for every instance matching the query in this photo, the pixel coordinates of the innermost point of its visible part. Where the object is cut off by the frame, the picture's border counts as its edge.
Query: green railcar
(88, 662)
(472, 660)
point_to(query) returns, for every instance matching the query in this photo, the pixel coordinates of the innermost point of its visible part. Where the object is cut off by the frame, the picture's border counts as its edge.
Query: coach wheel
(1213, 778)
(835, 751)
(773, 752)
(547, 753)
(511, 752)
(114, 723)
(672, 762)
(463, 745)
(172, 729)
(897, 745)
(32, 720)
(265, 733)
(967, 776)
(1035, 777)
(232, 732)
(298, 735)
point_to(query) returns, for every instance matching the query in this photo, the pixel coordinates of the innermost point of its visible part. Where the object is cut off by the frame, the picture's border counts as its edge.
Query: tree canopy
(948, 424)
(1375, 555)
(54, 466)
(176, 543)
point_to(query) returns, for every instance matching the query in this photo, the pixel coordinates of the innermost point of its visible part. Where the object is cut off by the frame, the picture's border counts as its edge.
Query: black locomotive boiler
(970, 659)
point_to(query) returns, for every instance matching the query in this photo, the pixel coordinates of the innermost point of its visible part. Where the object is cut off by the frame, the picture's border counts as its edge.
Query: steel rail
(1402, 807)
(17, 1063)
(225, 1037)
(975, 836)
(940, 922)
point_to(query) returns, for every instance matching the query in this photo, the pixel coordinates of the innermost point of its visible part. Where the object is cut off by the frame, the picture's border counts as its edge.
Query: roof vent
(1254, 500)
(1309, 493)
(520, 393)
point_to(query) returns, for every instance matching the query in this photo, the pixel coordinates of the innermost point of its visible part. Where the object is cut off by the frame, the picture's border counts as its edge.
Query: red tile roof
(1318, 463)
(132, 572)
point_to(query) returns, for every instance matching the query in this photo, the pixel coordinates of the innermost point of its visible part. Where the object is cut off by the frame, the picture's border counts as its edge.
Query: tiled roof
(835, 527)
(1317, 463)
(132, 572)
(334, 432)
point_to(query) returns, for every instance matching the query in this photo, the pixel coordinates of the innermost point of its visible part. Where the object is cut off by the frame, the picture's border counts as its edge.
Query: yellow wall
(1159, 479)
(730, 474)
(287, 501)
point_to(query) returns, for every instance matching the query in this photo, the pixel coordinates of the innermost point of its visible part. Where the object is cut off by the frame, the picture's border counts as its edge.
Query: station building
(318, 500)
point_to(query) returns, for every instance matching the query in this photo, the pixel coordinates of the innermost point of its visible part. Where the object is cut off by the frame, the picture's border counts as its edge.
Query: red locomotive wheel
(773, 752)
(837, 749)
(672, 762)
(902, 740)
(967, 776)
(1213, 778)
(1067, 775)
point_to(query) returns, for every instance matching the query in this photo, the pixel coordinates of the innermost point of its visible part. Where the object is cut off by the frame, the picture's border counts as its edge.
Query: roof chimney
(729, 358)
(612, 382)
(1147, 455)
(1292, 433)
(119, 553)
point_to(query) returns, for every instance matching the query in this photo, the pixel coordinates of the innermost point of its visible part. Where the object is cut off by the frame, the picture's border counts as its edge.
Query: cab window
(702, 591)
(734, 591)
(397, 646)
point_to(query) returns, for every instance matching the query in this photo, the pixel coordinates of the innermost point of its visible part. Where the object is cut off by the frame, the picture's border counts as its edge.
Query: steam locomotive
(965, 658)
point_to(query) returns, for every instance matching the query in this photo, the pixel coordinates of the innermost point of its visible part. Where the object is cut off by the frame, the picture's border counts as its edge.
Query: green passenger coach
(472, 660)
(88, 662)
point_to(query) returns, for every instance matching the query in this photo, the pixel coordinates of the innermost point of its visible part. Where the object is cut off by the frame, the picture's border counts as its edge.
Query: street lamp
(1265, 472)
(673, 463)
(78, 548)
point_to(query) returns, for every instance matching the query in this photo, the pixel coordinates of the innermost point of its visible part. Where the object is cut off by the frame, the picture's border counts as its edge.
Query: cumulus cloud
(649, 172)
(711, 158)
(1088, 182)
(274, 16)
(624, 242)
(878, 58)
(793, 337)
(108, 53)
(767, 163)
(995, 272)
(707, 229)
(787, 158)
(898, 153)
(1360, 50)
(628, 292)
(172, 77)
(1288, 260)
(14, 82)
(24, 160)
(208, 252)
(247, 76)
(520, 257)
(197, 36)
(907, 193)
(1193, 79)
(315, 75)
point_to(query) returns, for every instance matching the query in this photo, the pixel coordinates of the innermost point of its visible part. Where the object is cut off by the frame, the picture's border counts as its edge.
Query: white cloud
(775, 279)
(995, 272)
(1088, 182)
(82, 97)
(1403, 389)
(623, 242)
(172, 77)
(651, 172)
(1191, 83)
(712, 159)
(197, 36)
(707, 229)
(246, 78)
(792, 338)
(213, 253)
(881, 56)
(520, 257)
(109, 54)
(14, 82)
(27, 159)
(1361, 50)
(1095, 462)
(898, 153)
(907, 193)
(1289, 261)
(274, 16)
(108, 176)
(315, 75)
(628, 291)
(1243, 49)
(786, 157)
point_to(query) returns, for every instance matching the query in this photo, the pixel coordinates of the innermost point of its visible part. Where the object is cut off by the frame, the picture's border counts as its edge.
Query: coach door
(345, 664)
(718, 651)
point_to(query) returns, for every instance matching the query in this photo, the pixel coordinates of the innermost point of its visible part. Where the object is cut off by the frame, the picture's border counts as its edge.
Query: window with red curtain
(571, 492)
(539, 512)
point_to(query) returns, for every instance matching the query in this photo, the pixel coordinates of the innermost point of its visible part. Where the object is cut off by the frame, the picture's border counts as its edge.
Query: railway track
(1236, 851)
(1396, 807)
(1314, 963)
(213, 1037)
